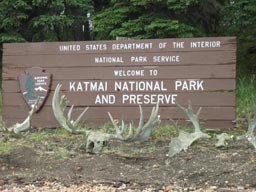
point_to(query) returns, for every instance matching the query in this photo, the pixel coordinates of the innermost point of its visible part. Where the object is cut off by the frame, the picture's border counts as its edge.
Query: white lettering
(88, 86)
(162, 45)
(96, 47)
(179, 45)
(189, 85)
(165, 59)
(79, 87)
(40, 77)
(140, 86)
(140, 99)
(69, 48)
(108, 59)
(132, 46)
(205, 44)
(129, 73)
(141, 59)
(105, 99)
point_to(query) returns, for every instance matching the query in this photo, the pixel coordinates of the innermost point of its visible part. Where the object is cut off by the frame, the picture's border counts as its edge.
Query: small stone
(240, 188)
(1, 182)
(123, 186)
(121, 174)
(3, 168)
(213, 187)
(169, 188)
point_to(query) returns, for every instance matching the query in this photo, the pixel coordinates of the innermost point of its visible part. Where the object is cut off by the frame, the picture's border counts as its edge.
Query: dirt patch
(136, 166)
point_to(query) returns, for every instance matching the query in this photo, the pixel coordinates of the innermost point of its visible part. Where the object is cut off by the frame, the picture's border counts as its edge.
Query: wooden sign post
(117, 76)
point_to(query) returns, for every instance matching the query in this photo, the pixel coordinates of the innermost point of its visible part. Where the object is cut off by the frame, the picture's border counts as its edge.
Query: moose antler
(190, 114)
(251, 127)
(26, 124)
(142, 133)
(184, 140)
(250, 134)
(59, 104)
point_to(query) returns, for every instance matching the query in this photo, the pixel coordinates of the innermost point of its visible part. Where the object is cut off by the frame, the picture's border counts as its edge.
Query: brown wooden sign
(117, 76)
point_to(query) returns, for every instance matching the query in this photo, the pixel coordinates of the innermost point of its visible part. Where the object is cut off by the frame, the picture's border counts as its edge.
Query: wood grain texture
(164, 72)
(153, 59)
(213, 85)
(88, 99)
(44, 48)
(126, 113)
(215, 66)
(51, 122)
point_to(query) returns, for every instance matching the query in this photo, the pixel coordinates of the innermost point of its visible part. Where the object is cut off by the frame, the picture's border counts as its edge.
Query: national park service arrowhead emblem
(35, 85)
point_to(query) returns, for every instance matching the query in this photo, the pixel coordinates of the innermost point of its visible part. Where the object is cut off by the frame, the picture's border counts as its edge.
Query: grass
(38, 136)
(52, 142)
(62, 153)
(165, 132)
(130, 149)
(246, 94)
(5, 147)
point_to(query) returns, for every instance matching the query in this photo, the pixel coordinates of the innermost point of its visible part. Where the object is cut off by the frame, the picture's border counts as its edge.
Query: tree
(12, 15)
(157, 19)
(44, 20)
(240, 20)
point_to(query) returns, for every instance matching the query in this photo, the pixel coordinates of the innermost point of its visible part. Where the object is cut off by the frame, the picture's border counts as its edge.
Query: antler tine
(181, 107)
(59, 103)
(70, 113)
(123, 126)
(199, 111)
(153, 116)
(141, 118)
(129, 136)
(188, 110)
(192, 117)
(58, 106)
(26, 124)
(120, 131)
(80, 117)
(113, 121)
(190, 113)
(251, 122)
(130, 130)
(144, 133)
(62, 99)
(155, 111)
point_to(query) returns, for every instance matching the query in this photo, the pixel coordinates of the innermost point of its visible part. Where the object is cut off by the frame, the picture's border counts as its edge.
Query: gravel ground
(58, 187)
(45, 163)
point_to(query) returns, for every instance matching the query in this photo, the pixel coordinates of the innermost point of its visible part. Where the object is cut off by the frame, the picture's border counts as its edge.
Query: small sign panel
(35, 85)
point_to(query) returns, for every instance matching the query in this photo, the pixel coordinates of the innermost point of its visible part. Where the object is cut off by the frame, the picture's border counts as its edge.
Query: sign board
(117, 76)
(34, 86)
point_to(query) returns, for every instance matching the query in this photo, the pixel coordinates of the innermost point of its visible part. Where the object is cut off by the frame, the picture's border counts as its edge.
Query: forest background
(78, 20)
